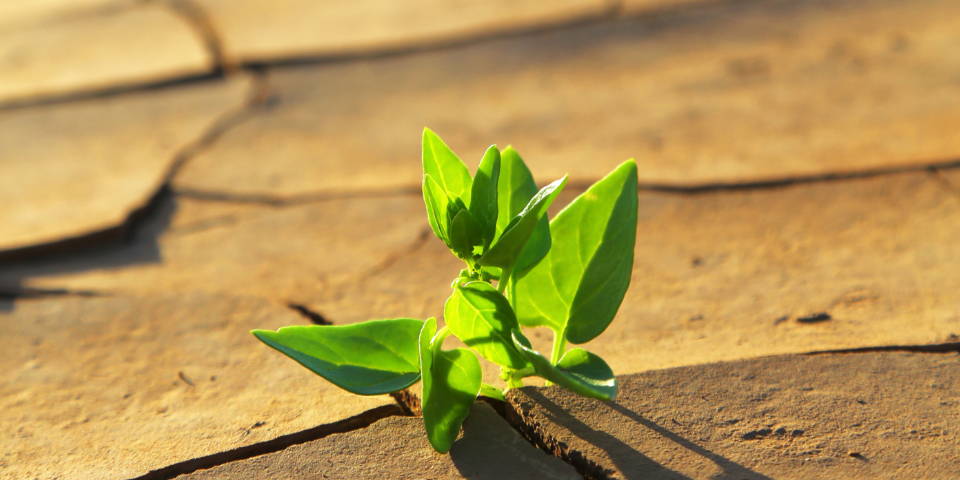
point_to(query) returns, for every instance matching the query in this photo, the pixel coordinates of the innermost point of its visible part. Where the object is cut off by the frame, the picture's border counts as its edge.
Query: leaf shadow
(731, 469)
(629, 461)
(633, 464)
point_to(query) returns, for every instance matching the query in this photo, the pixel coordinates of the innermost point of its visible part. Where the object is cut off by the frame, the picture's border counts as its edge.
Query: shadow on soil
(731, 470)
(627, 460)
(134, 243)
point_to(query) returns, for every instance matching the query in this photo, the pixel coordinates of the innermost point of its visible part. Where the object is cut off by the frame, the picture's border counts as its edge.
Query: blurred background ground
(175, 173)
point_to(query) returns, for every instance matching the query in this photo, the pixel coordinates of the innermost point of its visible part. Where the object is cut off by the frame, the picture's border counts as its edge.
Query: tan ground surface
(175, 173)
(743, 92)
(253, 30)
(717, 276)
(77, 168)
(98, 49)
(488, 448)
(867, 415)
(116, 387)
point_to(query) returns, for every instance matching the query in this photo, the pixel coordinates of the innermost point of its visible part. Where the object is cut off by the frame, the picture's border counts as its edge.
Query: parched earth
(175, 173)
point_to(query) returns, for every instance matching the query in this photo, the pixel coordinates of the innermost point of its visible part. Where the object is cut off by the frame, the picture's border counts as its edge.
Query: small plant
(569, 274)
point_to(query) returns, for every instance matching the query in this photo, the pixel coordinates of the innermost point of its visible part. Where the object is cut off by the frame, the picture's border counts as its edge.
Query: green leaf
(579, 371)
(370, 358)
(451, 382)
(505, 253)
(577, 288)
(482, 318)
(516, 188)
(465, 234)
(438, 205)
(483, 199)
(445, 167)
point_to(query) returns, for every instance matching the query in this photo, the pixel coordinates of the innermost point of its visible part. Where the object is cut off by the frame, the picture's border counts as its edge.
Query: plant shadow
(631, 463)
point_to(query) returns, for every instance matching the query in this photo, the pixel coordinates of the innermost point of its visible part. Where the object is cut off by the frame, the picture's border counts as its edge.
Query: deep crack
(316, 317)
(952, 346)
(357, 422)
(789, 181)
(14, 293)
(294, 200)
(123, 232)
(200, 22)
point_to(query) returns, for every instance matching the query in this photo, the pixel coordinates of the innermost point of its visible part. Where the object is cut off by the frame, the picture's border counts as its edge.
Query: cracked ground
(176, 173)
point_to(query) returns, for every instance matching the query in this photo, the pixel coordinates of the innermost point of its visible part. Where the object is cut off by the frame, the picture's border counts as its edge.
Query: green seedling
(569, 274)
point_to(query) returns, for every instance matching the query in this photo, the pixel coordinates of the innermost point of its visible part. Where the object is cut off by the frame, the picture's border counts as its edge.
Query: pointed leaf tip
(369, 358)
(578, 287)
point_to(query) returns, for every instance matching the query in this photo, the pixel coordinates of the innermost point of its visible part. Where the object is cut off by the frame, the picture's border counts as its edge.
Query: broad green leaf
(578, 370)
(445, 167)
(438, 204)
(516, 188)
(465, 234)
(451, 382)
(506, 251)
(577, 288)
(483, 198)
(482, 318)
(370, 358)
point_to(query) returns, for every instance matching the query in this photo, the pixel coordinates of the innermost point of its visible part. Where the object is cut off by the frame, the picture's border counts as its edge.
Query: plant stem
(525, 372)
(438, 339)
(515, 382)
(491, 391)
(559, 348)
(504, 279)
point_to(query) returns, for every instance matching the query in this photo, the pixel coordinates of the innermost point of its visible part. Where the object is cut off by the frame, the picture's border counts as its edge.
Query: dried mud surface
(865, 415)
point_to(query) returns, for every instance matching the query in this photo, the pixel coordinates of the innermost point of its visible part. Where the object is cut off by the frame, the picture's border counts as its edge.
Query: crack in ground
(395, 257)
(198, 20)
(793, 180)
(322, 196)
(533, 432)
(256, 99)
(315, 317)
(952, 345)
(16, 293)
(294, 200)
(123, 233)
(409, 404)
(936, 174)
(356, 422)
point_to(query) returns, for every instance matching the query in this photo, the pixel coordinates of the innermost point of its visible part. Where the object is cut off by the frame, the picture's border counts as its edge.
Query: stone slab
(718, 275)
(96, 51)
(76, 168)
(20, 14)
(112, 388)
(258, 31)
(815, 89)
(854, 416)
(287, 254)
(397, 447)
(653, 7)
